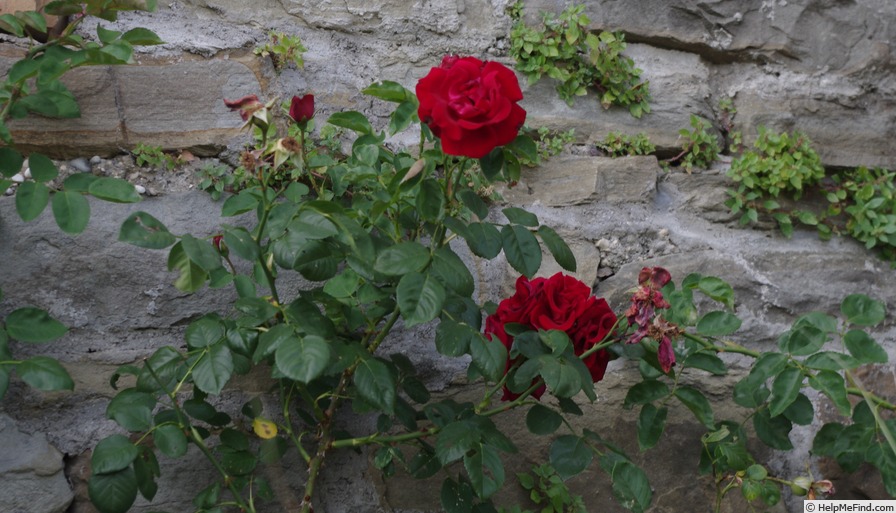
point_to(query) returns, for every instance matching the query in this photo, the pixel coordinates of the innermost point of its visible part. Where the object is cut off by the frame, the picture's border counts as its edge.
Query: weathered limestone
(31, 477)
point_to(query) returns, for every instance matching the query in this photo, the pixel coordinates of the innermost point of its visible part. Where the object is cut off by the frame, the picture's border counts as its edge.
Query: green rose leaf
(33, 325)
(114, 190)
(112, 454)
(204, 332)
(375, 384)
(717, 289)
(401, 259)
(403, 116)
(420, 298)
(201, 252)
(71, 211)
(452, 272)
(570, 455)
(454, 338)
(141, 37)
(831, 384)
(213, 369)
(645, 392)
(560, 377)
(651, 423)
(800, 411)
(521, 249)
(170, 440)
(456, 497)
(473, 202)
(708, 362)
(517, 215)
(484, 240)
(132, 409)
(31, 199)
(113, 493)
(773, 431)
(10, 160)
(42, 168)
(145, 231)
(352, 120)
(558, 248)
(389, 91)
(303, 359)
(490, 357)
(146, 470)
(630, 486)
(241, 243)
(542, 420)
(718, 324)
(697, 403)
(485, 470)
(863, 347)
(862, 310)
(191, 277)
(803, 340)
(245, 201)
(785, 390)
(44, 373)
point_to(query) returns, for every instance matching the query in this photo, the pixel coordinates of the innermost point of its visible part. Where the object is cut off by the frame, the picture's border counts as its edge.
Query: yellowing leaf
(264, 428)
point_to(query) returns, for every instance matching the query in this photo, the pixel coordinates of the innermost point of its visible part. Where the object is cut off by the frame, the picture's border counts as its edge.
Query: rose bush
(471, 105)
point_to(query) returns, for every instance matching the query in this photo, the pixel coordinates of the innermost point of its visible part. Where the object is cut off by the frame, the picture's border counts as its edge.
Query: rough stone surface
(31, 472)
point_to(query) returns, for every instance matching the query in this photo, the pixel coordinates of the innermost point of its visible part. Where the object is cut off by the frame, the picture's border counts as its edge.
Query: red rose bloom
(471, 105)
(301, 108)
(557, 303)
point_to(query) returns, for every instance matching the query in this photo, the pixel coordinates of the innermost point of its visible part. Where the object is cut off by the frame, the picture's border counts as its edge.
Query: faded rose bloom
(247, 105)
(645, 301)
(823, 487)
(471, 105)
(301, 109)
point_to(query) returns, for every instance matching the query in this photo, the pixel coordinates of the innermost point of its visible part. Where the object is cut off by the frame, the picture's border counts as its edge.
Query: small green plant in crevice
(780, 163)
(548, 491)
(283, 49)
(219, 178)
(548, 143)
(617, 144)
(699, 148)
(154, 156)
(733, 139)
(564, 49)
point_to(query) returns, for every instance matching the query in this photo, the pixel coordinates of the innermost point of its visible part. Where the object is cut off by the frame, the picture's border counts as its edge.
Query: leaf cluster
(617, 144)
(283, 49)
(699, 147)
(564, 49)
(780, 163)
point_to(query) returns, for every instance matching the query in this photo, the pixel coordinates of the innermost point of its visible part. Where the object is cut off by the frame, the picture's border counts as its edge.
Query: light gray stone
(594, 180)
(31, 476)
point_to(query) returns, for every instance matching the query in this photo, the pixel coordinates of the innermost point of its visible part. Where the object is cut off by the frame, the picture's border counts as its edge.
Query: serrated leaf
(113, 493)
(352, 120)
(44, 373)
(213, 370)
(114, 190)
(31, 199)
(773, 431)
(420, 298)
(651, 423)
(631, 487)
(145, 231)
(112, 454)
(452, 272)
(831, 384)
(697, 403)
(190, 277)
(303, 359)
(132, 409)
(33, 325)
(864, 348)
(483, 239)
(42, 168)
(785, 390)
(570, 455)
(389, 91)
(376, 385)
(558, 248)
(401, 259)
(519, 216)
(541, 420)
(489, 356)
(170, 440)
(71, 211)
(521, 249)
(862, 310)
(718, 324)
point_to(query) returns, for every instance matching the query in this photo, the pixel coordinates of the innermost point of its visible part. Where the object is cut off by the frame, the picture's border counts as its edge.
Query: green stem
(729, 347)
(875, 407)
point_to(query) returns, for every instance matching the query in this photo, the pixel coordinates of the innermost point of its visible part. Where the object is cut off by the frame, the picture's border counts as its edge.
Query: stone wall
(821, 66)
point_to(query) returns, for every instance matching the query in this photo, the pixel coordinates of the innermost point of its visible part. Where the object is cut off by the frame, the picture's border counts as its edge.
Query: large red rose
(557, 303)
(471, 105)
(592, 328)
(565, 299)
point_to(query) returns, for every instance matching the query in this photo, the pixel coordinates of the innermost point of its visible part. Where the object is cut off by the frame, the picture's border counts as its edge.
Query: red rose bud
(471, 105)
(301, 109)
(247, 105)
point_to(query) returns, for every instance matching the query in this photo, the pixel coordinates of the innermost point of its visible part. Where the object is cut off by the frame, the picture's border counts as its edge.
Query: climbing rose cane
(471, 105)
(562, 303)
